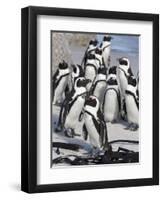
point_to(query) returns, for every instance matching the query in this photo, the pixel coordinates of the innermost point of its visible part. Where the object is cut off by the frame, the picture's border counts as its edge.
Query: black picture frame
(29, 99)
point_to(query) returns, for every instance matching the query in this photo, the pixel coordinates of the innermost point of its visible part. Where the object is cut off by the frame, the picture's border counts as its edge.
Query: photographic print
(84, 74)
(94, 98)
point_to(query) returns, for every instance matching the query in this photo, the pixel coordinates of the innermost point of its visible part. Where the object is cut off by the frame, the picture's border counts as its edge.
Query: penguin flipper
(130, 71)
(85, 132)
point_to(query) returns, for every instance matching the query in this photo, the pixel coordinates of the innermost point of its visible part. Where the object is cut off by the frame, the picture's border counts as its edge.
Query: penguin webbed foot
(114, 121)
(132, 127)
(58, 127)
(69, 132)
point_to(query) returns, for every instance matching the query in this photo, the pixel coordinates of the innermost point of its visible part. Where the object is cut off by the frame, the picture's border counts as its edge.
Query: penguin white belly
(132, 110)
(74, 113)
(111, 107)
(60, 89)
(106, 56)
(100, 90)
(122, 80)
(94, 137)
(90, 74)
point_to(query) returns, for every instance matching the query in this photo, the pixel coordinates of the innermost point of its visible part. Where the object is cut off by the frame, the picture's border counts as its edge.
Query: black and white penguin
(59, 82)
(91, 70)
(99, 85)
(111, 104)
(90, 50)
(77, 71)
(72, 107)
(132, 104)
(106, 50)
(94, 124)
(123, 72)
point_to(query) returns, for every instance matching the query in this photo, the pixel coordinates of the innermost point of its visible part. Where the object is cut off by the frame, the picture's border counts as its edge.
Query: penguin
(123, 72)
(90, 70)
(94, 124)
(90, 50)
(99, 85)
(132, 104)
(59, 82)
(77, 71)
(72, 107)
(106, 50)
(111, 104)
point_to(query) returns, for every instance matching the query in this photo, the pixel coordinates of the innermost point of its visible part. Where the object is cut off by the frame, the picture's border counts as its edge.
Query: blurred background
(71, 47)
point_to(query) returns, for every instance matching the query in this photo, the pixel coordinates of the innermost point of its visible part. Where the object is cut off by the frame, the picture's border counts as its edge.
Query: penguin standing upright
(90, 50)
(132, 104)
(99, 85)
(90, 70)
(111, 104)
(59, 82)
(94, 124)
(72, 107)
(106, 49)
(123, 72)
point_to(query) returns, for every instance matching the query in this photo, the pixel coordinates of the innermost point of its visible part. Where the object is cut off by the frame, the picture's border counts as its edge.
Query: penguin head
(112, 80)
(81, 82)
(93, 42)
(63, 65)
(107, 38)
(113, 70)
(102, 70)
(124, 61)
(92, 104)
(132, 81)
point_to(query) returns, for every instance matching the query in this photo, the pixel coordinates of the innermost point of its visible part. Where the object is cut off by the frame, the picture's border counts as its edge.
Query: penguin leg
(114, 121)
(129, 126)
(123, 111)
(69, 132)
